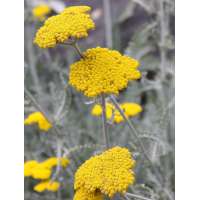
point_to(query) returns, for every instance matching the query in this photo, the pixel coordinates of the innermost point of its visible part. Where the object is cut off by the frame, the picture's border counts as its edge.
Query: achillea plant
(100, 74)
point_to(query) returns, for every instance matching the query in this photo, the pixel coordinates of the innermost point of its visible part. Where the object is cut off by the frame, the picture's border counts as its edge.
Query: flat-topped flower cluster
(108, 173)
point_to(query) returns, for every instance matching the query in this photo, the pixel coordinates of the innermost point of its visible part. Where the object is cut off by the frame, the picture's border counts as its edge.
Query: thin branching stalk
(32, 62)
(58, 155)
(163, 32)
(37, 105)
(46, 115)
(136, 137)
(136, 196)
(132, 128)
(104, 121)
(108, 23)
(76, 47)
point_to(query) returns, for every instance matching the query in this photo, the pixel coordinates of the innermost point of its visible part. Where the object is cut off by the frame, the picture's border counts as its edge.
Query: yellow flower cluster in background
(130, 110)
(38, 118)
(107, 173)
(41, 11)
(47, 185)
(72, 22)
(43, 171)
(103, 71)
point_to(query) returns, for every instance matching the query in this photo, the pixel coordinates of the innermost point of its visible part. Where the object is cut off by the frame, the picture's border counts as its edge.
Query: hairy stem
(136, 196)
(104, 121)
(75, 45)
(108, 22)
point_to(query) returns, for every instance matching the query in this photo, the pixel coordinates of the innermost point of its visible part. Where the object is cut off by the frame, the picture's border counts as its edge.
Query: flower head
(47, 185)
(130, 110)
(38, 118)
(41, 11)
(73, 22)
(103, 71)
(109, 172)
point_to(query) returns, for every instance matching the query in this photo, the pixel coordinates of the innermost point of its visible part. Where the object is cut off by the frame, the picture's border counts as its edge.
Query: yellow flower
(39, 172)
(73, 22)
(41, 11)
(43, 170)
(40, 187)
(97, 110)
(82, 194)
(110, 172)
(103, 71)
(38, 118)
(118, 117)
(130, 110)
(47, 185)
(28, 166)
(52, 162)
(53, 186)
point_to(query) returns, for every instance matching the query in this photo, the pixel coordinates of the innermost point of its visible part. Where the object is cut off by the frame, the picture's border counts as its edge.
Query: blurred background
(143, 29)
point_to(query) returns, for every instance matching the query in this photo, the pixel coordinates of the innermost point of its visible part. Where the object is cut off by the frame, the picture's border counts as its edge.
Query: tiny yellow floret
(103, 71)
(38, 118)
(41, 11)
(110, 172)
(73, 22)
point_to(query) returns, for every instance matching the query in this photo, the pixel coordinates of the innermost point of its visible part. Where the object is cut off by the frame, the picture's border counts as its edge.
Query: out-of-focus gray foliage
(143, 29)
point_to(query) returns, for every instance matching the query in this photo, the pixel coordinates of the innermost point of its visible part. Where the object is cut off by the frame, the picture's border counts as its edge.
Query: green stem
(136, 196)
(108, 22)
(75, 45)
(104, 121)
